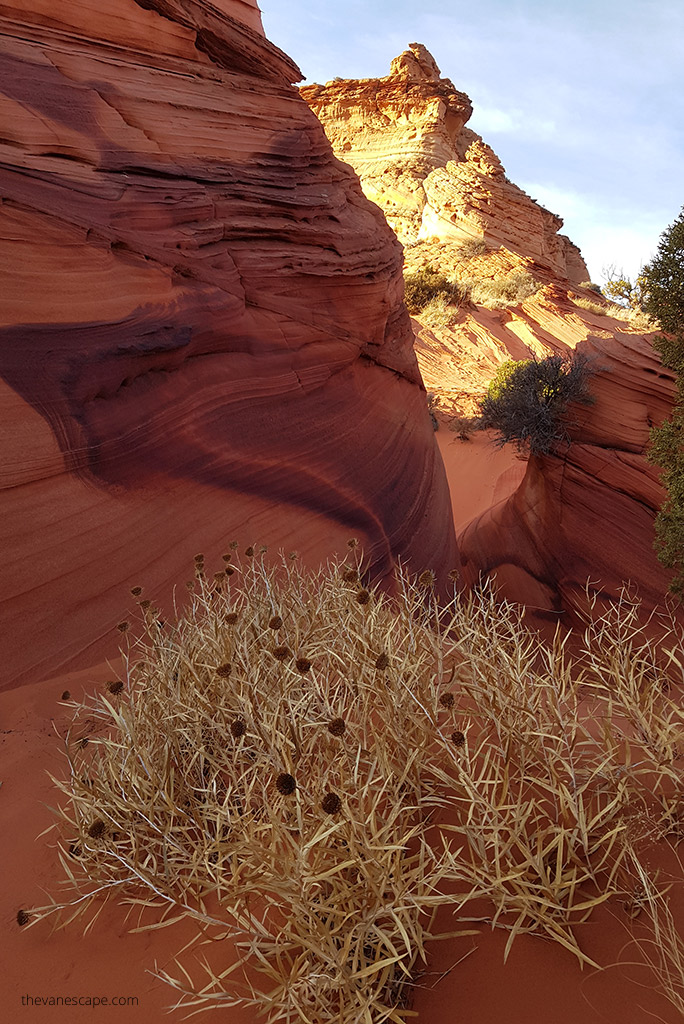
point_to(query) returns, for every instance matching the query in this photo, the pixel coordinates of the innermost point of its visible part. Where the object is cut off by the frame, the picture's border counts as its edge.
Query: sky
(582, 100)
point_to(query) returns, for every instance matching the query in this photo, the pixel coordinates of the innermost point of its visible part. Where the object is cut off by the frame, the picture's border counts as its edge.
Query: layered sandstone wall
(203, 334)
(434, 178)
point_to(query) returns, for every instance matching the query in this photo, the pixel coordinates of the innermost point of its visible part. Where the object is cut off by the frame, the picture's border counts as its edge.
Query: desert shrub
(472, 247)
(619, 288)
(270, 765)
(528, 400)
(592, 287)
(273, 765)
(464, 426)
(440, 312)
(427, 285)
(664, 283)
(500, 292)
(432, 405)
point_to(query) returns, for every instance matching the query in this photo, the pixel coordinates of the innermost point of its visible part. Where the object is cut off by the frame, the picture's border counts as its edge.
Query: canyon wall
(202, 330)
(586, 512)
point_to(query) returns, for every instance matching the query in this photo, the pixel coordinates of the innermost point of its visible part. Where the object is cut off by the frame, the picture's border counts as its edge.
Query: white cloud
(608, 235)
(495, 121)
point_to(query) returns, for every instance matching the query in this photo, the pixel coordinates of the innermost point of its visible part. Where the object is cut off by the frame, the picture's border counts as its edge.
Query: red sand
(479, 474)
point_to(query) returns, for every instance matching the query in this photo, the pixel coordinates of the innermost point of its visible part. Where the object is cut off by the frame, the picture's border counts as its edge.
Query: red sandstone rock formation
(586, 512)
(203, 334)
(405, 136)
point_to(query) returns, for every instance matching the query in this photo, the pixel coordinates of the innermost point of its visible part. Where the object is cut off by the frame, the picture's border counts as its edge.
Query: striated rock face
(203, 334)
(405, 136)
(587, 512)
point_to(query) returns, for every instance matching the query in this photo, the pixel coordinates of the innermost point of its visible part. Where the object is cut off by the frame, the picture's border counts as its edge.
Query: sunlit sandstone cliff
(203, 334)
(587, 511)
(434, 178)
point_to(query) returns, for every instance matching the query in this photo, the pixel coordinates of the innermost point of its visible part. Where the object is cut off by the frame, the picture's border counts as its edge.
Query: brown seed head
(146, 604)
(136, 591)
(123, 627)
(233, 544)
(97, 829)
(199, 559)
(275, 622)
(350, 576)
(352, 542)
(190, 584)
(66, 695)
(363, 597)
(23, 917)
(224, 670)
(303, 665)
(457, 738)
(231, 618)
(427, 578)
(381, 662)
(219, 575)
(75, 850)
(337, 726)
(331, 803)
(249, 551)
(454, 574)
(285, 784)
(238, 727)
(116, 686)
(229, 570)
(226, 558)
(447, 700)
(281, 653)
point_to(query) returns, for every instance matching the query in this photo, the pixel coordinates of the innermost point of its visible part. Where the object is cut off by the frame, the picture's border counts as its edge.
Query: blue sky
(583, 100)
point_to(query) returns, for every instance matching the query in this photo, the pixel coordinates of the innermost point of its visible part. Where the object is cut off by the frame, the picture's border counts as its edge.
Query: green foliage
(664, 277)
(621, 289)
(501, 378)
(527, 401)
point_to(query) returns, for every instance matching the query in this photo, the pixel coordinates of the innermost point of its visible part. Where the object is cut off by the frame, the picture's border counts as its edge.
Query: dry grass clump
(500, 292)
(319, 816)
(568, 767)
(636, 317)
(274, 786)
(440, 312)
(592, 306)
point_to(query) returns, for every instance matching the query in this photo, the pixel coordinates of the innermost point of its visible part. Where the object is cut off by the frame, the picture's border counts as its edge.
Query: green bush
(664, 285)
(527, 401)
(621, 289)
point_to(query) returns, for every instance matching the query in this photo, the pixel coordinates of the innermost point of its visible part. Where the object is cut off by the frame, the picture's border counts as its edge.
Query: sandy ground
(479, 474)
